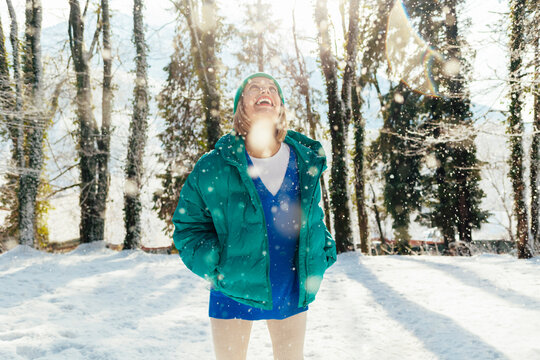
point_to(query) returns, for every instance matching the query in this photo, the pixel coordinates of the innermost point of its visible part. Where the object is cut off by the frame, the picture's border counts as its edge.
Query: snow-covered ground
(95, 303)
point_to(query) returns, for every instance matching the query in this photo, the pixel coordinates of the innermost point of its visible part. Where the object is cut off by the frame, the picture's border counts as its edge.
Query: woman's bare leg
(231, 338)
(288, 336)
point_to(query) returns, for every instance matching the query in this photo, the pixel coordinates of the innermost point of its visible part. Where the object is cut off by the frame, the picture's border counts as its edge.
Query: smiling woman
(259, 114)
(249, 221)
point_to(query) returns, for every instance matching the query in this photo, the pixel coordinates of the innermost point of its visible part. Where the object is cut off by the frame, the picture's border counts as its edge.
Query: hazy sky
(489, 66)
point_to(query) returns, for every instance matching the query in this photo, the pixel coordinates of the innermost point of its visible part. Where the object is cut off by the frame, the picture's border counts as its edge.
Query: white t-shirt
(271, 170)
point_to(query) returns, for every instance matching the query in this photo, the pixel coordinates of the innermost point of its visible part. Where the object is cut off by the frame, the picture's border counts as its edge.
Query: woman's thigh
(231, 338)
(288, 336)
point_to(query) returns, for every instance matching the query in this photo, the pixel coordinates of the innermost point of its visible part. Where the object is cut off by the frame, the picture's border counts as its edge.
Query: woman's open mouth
(264, 101)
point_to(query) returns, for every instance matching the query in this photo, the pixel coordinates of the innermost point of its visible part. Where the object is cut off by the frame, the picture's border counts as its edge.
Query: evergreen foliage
(533, 36)
(182, 140)
(452, 191)
(25, 122)
(260, 44)
(401, 158)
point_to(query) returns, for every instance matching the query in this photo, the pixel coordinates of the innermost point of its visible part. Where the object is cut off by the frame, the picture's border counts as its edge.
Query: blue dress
(282, 214)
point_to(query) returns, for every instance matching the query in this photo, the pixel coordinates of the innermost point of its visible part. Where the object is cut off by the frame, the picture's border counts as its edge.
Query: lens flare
(411, 59)
(261, 136)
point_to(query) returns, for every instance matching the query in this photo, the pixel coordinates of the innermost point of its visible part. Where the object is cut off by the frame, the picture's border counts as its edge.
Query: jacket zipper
(259, 208)
(252, 194)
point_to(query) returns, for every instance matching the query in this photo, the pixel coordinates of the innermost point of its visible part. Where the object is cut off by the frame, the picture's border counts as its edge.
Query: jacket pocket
(316, 266)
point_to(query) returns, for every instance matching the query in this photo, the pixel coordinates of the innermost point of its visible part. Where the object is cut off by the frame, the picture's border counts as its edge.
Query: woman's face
(261, 100)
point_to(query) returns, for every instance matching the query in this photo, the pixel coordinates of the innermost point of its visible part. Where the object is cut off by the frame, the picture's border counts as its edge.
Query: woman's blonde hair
(242, 124)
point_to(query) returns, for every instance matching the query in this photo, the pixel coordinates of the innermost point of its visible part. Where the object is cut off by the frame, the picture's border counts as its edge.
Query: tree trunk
(203, 51)
(25, 185)
(350, 100)
(303, 83)
(515, 126)
(137, 138)
(350, 66)
(535, 145)
(359, 183)
(35, 120)
(8, 191)
(339, 191)
(378, 220)
(88, 130)
(371, 57)
(17, 133)
(465, 161)
(6, 93)
(103, 142)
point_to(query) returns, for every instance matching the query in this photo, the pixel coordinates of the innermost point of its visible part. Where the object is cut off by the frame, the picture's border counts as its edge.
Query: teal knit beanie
(259, 74)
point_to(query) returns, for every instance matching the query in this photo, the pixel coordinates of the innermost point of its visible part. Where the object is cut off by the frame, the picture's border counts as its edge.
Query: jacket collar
(231, 147)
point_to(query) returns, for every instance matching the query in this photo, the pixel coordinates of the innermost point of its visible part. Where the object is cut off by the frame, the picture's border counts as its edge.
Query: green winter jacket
(220, 227)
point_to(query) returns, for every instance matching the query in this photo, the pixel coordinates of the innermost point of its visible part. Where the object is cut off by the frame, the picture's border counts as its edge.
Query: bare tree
(202, 21)
(92, 224)
(336, 118)
(301, 81)
(371, 57)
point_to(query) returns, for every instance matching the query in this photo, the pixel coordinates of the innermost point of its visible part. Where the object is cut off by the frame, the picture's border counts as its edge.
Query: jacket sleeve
(330, 244)
(194, 235)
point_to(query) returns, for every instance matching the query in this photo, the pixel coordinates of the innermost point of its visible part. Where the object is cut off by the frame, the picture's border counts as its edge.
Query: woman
(248, 220)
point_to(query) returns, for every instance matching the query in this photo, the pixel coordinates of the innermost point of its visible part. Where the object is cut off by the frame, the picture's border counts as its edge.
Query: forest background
(437, 101)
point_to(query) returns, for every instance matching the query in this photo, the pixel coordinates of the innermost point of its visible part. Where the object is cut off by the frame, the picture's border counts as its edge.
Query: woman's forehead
(260, 80)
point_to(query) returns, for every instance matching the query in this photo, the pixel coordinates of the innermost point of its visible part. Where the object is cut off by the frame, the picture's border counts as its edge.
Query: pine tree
(182, 139)
(137, 138)
(400, 152)
(452, 192)
(258, 34)
(397, 146)
(465, 163)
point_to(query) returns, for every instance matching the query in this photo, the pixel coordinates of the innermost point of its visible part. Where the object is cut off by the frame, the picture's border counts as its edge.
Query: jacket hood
(231, 147)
